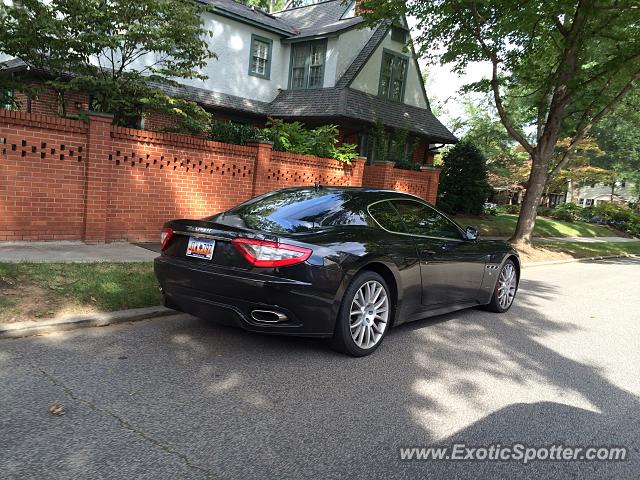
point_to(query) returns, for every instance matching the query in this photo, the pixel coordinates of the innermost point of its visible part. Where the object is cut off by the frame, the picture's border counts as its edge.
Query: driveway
(180, 397)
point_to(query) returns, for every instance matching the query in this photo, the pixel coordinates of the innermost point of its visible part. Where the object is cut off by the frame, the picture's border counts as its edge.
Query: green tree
(562, 66)
(113, 48)
(463, 180)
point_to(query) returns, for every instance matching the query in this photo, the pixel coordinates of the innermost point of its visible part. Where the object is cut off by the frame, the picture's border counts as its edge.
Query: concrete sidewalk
(50, 252)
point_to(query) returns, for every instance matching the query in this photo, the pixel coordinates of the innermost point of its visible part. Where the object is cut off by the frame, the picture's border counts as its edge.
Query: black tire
(342, 340)
(495, 304)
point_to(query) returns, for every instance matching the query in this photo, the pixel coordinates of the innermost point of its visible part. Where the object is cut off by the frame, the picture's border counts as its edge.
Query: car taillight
(263, 253)
(165, 237)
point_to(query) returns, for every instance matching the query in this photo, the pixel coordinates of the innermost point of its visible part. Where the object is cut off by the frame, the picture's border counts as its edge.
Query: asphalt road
(180, 397)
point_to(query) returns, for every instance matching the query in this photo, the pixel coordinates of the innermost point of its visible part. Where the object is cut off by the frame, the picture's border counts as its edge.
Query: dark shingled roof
(308, 21)
(209, 98)
(252, 15)
(318, 19)
(357, 105)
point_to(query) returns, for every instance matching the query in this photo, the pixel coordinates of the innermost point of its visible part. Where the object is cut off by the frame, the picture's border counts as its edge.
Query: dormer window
(307, 64)
(260, 57)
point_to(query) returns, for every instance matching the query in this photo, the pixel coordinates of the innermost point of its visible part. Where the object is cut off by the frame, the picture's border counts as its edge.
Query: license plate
(200, 248)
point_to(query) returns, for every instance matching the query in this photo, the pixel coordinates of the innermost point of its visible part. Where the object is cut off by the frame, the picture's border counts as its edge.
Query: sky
(444, 85)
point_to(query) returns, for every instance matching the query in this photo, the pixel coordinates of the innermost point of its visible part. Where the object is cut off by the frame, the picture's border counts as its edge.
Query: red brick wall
(158, 121)
(423, 183)
(289, 169)
(46, 102)
(422, 155)
(159, 176)
(42, 177)
(63, 179)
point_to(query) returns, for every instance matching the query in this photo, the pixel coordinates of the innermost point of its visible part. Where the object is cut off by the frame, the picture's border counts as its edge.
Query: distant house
(591, 195)
(313, 64)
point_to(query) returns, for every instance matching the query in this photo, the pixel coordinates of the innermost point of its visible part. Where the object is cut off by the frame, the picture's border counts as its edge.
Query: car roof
(366, 193)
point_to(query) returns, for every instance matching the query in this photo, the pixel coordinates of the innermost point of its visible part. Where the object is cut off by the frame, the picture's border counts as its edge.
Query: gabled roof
(254, 16)
(322, 18)
(319, 18)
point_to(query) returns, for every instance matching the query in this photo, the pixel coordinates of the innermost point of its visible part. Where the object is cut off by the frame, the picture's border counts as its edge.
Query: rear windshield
(295, 211)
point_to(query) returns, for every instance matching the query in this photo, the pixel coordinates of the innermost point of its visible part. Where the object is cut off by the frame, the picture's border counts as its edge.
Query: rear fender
(357, 268)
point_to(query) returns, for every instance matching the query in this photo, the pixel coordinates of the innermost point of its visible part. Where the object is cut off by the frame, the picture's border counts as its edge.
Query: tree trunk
(529, 209)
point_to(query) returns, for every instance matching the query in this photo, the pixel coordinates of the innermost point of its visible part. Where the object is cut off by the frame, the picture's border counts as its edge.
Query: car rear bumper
(230, 297)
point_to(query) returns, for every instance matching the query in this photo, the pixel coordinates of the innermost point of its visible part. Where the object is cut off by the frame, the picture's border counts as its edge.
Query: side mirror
(472, 233)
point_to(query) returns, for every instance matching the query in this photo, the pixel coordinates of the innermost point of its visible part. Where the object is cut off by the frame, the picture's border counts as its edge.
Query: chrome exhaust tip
(268, 316)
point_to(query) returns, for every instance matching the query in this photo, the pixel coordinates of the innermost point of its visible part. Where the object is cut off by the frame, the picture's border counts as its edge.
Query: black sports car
(341, 263)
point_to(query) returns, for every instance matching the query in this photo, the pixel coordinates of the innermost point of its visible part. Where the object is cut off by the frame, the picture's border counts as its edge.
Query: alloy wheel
(507, 283)
(369, 314)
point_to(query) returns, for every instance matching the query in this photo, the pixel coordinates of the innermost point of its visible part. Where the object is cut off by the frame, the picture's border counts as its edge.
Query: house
(589, 195)
(314, 64)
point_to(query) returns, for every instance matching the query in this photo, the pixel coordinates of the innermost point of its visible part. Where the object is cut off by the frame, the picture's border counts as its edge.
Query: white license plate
(200, 248)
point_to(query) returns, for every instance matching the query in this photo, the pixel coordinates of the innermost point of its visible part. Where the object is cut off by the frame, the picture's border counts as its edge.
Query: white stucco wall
(350, 43)
(331, 62)
(229, 73)
(369, 77)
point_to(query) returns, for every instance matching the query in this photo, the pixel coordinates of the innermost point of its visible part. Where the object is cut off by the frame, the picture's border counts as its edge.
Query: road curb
(574, 260)
(72, 322)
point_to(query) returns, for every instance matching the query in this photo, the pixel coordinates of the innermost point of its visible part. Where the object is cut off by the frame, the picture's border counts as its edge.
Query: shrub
(618, 216)
(463, 182)
(188, 116)
(545, 211)
(510, 209)
(567, 212)
(235, 133)
(292, 137)
(610, 212)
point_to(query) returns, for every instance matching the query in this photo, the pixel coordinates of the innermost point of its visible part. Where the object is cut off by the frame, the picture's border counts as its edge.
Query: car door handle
(428, 252)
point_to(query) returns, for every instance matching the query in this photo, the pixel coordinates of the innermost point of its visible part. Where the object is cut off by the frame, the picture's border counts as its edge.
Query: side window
(387, 217)
(260, 57)
(421, 219)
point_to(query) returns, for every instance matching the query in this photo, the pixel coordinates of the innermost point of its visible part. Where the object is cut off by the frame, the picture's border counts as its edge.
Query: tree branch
(495, 85)
(561, 28)
(596, 118)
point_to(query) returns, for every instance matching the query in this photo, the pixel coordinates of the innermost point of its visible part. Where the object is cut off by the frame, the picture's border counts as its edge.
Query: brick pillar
(98, 178)
(261, 167)
(357, 172)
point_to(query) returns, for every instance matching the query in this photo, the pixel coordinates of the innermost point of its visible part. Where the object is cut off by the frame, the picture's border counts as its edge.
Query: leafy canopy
(113, 48)
(558, 67)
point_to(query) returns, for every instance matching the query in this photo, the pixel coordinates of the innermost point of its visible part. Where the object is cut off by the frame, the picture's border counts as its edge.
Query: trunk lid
(206, 231)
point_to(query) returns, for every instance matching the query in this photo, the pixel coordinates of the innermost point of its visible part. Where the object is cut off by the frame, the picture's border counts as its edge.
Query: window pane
(259, 57)
(386, 216)
(317, 55)
(299, 55)
(420, 219)
(298, 78)
(315, 77)
(292, 212)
